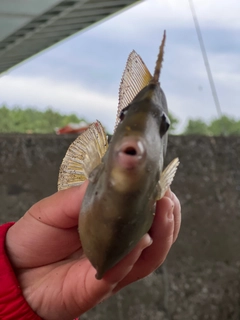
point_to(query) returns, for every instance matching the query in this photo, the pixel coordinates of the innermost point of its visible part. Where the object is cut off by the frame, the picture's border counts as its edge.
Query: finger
(177, 216)
(168, 193)
(62, 209)
(176, 212)
(97, 290)
(162, 234)
(48, 231)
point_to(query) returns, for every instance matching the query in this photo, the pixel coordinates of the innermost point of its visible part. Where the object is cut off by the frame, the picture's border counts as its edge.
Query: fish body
(124, 185)
(119, 203)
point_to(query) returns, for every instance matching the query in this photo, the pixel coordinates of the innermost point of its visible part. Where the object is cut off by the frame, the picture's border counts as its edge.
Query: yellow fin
(135, 77)
(83, 155)
(166, 177)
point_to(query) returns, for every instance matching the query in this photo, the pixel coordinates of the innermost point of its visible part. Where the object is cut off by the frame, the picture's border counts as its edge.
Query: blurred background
(67, 57)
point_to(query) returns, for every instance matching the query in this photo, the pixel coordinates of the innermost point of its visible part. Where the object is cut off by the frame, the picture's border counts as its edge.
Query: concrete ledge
(201, 278)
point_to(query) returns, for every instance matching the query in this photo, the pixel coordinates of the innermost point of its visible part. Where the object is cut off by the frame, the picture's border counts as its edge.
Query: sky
(82, 74)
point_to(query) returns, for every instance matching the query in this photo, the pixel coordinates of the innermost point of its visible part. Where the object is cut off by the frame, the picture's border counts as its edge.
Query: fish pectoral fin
(135, 77)
(83, 155)
(166, 178)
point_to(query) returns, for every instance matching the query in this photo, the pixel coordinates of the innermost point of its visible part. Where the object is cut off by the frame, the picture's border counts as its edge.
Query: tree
(224, 126)
(32, 120)
(196, 127)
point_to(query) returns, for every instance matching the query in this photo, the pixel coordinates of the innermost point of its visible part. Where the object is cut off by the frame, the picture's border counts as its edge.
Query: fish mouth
(130, 152)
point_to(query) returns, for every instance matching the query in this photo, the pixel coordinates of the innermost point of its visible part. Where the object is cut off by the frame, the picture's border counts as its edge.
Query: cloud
(157, 15)
(82, 74)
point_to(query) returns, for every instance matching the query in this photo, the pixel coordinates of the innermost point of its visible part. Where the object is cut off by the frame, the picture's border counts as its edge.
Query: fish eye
(165, 124)
(123, 113)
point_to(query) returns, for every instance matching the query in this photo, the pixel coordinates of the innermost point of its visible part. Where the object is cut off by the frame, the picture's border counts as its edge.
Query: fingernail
(170, 213)
(149, 240)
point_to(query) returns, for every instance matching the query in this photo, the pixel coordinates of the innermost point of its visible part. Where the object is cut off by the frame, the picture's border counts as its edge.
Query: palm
(57, 279)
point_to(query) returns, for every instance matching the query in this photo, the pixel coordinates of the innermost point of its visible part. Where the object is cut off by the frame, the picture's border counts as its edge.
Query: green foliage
(196, 127)
(222, 126)
(225, 126)
(32, 120)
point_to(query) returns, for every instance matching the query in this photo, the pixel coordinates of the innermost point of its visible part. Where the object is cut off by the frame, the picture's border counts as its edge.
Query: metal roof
(28, 27)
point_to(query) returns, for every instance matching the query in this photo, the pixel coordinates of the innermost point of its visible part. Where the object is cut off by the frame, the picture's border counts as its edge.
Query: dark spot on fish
(39, 218)
(152, 86)
(96, 193)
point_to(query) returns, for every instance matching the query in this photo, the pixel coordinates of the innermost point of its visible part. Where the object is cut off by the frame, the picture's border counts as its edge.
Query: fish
(126, 176)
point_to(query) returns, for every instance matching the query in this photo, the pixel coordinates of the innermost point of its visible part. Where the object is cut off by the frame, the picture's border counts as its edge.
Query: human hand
(56, 279)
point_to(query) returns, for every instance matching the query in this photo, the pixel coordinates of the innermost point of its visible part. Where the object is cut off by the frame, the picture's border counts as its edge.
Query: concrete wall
(201, 278)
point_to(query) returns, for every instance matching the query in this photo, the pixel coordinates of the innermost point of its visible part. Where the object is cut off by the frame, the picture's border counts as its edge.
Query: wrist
(12, 302)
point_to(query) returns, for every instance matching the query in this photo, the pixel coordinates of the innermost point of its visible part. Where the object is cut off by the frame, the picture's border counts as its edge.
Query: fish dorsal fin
(157, 71)
(83, 155)
(166, 177)
(135, 77)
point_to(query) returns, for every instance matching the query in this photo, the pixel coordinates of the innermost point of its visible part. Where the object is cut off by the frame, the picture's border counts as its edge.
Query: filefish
(126, 177)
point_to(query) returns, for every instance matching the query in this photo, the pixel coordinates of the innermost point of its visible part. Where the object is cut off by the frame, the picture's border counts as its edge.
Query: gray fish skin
(119, 204)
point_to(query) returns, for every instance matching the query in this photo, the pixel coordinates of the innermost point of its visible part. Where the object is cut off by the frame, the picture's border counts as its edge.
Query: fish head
(139, 144)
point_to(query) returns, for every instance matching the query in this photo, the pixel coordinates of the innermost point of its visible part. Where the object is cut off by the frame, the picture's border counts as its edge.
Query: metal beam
(59, 22)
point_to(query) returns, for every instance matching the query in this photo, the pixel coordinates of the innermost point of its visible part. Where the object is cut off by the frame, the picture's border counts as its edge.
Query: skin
(57, 280)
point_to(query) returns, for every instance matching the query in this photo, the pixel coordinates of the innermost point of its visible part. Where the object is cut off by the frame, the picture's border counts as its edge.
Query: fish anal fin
(135, 77)
(166, 178)
(83, 155)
